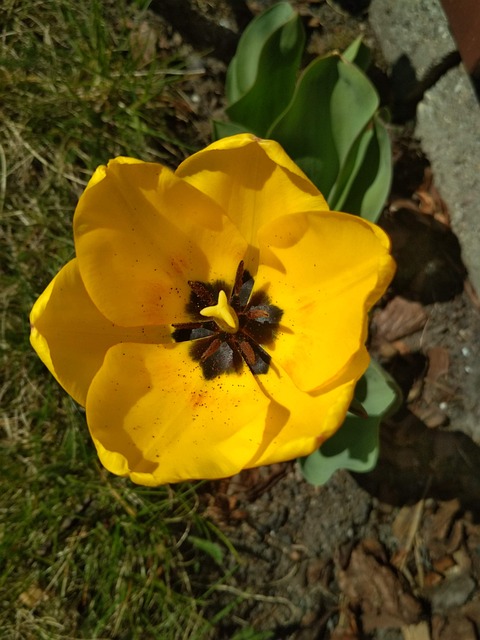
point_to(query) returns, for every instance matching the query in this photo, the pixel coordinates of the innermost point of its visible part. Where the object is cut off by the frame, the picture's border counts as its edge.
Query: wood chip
(32, 596)
(443, 564)
(438, 367)
(432, 416)
(416, 632)
(402, 525)
(441, 523)
(431, 579)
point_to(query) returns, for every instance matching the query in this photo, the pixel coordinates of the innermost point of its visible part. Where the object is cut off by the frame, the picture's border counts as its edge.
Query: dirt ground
(393, 554)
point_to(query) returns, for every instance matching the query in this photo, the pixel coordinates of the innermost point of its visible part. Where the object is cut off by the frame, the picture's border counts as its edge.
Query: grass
(82, 554)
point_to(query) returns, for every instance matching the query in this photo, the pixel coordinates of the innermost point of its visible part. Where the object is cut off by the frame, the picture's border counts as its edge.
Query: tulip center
(229, 326)
(223, 314)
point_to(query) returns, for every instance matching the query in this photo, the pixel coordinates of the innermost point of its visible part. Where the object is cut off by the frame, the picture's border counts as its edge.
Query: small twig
(337, 9)
(184, 536)
(290, 573)
(413, 533)
(130, 510)
(3, 178)
(258, 597)
(418, 562)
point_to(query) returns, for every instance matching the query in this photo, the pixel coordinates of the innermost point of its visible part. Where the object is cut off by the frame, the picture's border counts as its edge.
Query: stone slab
(415, 28)
(448, 125)
(448, 117)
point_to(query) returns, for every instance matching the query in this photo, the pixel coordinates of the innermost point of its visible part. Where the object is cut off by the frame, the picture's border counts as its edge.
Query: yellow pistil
(223, 314)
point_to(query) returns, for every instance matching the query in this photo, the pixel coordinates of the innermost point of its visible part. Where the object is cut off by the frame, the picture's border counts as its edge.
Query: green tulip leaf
(377, 391)
(261, 76)
(351, 167)
(327, 121)
(355, 445)
(370, 183)
(333, 103)
(358, 53)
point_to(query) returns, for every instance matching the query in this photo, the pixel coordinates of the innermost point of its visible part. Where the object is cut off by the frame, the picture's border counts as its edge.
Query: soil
(393, 554)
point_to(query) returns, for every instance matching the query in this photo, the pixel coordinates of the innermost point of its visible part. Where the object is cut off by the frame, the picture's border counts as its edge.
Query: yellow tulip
(214, 318)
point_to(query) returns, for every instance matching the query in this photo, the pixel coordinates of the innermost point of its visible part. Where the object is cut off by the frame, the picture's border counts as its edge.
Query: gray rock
(448, 125)
(414, 28)
(414, 36)
(452, 593)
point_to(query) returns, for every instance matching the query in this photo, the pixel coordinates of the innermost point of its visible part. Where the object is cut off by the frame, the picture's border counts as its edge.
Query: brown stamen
(218, 351)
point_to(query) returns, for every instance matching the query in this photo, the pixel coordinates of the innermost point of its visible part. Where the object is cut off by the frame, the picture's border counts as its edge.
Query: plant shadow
(417, 462)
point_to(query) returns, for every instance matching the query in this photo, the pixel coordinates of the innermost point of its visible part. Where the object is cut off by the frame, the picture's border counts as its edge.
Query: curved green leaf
(350, 169)
(305, 128)
(364, 181)
(370, 183)
(261, 77)
(327, 123)
(377, 391)
(333, 102)
(355, 445)
(358, 53)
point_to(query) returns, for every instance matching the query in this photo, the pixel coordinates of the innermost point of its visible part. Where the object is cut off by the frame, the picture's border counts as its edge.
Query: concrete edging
(448, 116)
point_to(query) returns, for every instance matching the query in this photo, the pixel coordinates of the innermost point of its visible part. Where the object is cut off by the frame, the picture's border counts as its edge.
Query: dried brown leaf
(399, 318)
(378, 591)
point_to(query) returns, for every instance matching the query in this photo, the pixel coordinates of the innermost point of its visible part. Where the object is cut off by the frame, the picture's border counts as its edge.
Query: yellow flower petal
(253, 180)
(71, 336)
(156, 418)
(325, 271)
(141, 234)
(297, 423)
(167, 423)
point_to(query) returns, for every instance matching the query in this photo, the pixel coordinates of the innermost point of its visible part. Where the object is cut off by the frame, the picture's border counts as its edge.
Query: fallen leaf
(438, 366)
(380, 593)
(440, 524)
(399, 318)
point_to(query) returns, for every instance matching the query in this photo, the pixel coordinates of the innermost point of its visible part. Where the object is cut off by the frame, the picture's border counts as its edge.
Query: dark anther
(216, 350)
(203, 295)
(193, 331)
(257, 359)
(242, 287)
